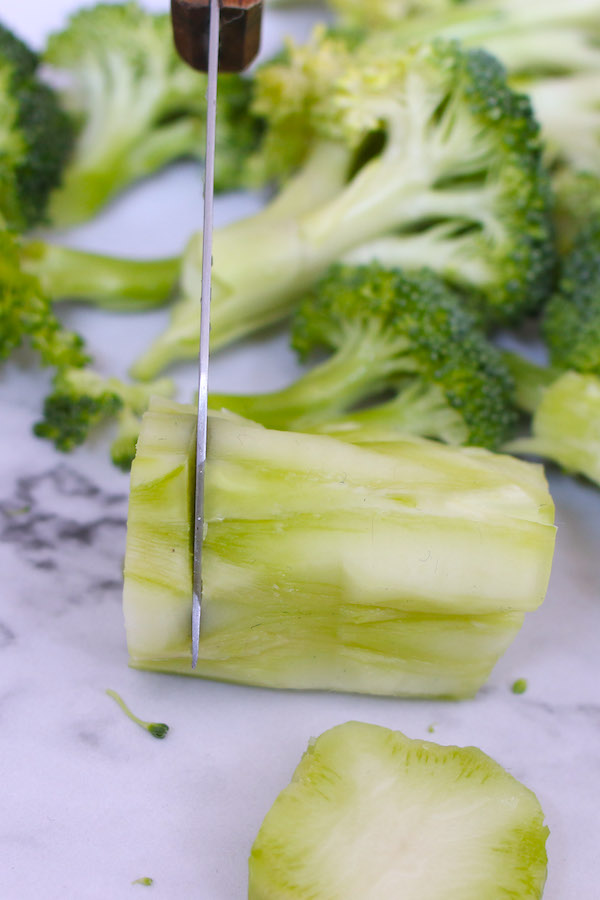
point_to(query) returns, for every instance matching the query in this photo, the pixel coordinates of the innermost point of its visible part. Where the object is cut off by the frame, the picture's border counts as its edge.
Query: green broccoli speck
(519, 686)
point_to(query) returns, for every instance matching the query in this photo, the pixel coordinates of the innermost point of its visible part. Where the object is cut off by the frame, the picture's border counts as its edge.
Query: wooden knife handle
(239, 35)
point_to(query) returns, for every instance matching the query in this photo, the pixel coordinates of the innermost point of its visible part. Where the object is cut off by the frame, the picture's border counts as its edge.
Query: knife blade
(213, 36)
(207, 234)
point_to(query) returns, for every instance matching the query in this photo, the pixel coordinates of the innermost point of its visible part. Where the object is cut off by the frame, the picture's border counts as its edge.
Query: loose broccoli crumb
(519, 686)
(156, 729)
(147, 882)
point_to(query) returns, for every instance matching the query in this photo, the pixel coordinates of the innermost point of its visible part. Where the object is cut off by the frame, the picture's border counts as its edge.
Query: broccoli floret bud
(389, 331)
(571, 323)
(36, 136)
(138, 106)
(26, 314)
(82, 399)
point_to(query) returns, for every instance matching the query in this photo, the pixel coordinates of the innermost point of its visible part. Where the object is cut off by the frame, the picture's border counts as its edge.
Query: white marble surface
(89, 802)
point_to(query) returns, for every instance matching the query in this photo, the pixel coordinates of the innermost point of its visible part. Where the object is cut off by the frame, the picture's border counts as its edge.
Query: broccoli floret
(564, 399)
(36, 136)
(389, 330)
(550, 49)
(571, 323)
(138, 107)
(81, 399)
(26, 314)
(565, 409)
(433, 137)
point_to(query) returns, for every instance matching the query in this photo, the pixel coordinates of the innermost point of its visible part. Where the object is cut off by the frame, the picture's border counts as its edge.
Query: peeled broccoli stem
(327, 565)
(565, 408)
(104, 281)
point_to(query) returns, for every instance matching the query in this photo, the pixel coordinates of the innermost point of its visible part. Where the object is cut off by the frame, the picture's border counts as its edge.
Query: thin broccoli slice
(26, 314)
(138, 106)
(454, 145)
(81, 399)
(36, 136)
(373, 815)
(329, 565)
(389, 330)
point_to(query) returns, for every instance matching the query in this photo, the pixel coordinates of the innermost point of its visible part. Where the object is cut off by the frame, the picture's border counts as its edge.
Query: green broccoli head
(82, 399)
(36, 136)
(571, 324)
(407, 334)
(410, 325)
(439, 139)
(26, 314)
(138, 105)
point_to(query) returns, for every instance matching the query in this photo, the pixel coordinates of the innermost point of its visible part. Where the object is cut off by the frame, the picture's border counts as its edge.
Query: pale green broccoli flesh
(373, 815)
(401, 569)
(566, 425)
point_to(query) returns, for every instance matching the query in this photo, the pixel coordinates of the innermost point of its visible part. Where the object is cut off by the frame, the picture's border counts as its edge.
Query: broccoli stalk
(36, 137)
(389, 330)
(455, 147)
(138, 107)
(330, 565)
(81, 399)
(109, 282)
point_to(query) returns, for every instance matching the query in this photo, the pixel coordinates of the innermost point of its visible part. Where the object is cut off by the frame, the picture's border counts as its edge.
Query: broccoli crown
(36, 136)
(571, 324)
(15, 52)
(455, 145)
(25, 312)
(139, 107)
(411, 324)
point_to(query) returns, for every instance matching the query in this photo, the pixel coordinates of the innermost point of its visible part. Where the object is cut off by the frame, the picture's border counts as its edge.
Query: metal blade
(209, 178)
